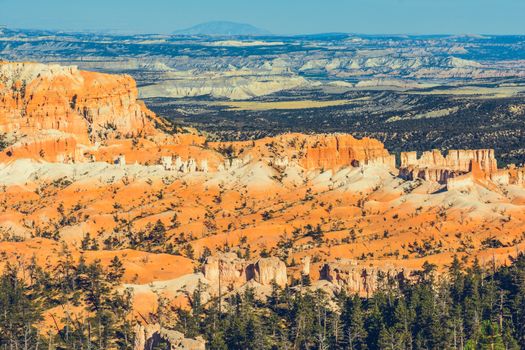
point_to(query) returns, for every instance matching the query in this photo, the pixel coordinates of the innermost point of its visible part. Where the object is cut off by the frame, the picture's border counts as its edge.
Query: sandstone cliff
(458, 160)
(46, 110)
(320, 151)
(268, 270)
(434, 166)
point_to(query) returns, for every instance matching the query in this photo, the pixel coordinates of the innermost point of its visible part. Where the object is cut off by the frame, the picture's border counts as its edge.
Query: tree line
(472, 308)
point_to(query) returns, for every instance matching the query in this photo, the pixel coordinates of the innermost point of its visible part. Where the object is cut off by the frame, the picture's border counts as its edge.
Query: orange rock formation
(49, 111)
(319, 151)
(434, 166)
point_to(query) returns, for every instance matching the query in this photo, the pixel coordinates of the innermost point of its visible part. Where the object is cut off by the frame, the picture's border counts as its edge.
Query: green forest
(472, 308)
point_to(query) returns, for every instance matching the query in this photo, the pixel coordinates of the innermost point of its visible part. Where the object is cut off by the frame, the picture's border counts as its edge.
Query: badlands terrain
(409, 92)
(89, 172)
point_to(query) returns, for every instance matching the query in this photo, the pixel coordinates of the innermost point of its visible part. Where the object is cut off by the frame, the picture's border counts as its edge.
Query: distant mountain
(222, 28)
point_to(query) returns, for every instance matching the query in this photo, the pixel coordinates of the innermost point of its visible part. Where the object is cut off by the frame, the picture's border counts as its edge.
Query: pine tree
(353, 321)
(116, 271)
(19, 315)
(490, 337)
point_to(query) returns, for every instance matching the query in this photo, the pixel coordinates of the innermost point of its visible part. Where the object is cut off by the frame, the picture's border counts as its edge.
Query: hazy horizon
(412, 17)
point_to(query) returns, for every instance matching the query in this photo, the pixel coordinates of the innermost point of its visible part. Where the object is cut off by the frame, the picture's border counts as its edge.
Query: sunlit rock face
(50, 109)
(320, 151)
(357, 278)
(228, 270)
(434, 166)
(334, 202)
(148, 337)
(455, 160)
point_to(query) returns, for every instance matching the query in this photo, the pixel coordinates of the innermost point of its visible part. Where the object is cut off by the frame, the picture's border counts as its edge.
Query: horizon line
(118, 32)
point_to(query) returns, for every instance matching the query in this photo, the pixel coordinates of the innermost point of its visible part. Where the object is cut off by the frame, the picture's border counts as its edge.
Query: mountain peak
(222, 28)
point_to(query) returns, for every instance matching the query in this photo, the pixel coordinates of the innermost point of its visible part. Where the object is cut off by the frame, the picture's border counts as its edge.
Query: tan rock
(356, 278)
(64, 102)
(146, 337)
(232, 271)
(268, 270)
(432, 165)
(306, 266)
(226, 269)
(321, 151)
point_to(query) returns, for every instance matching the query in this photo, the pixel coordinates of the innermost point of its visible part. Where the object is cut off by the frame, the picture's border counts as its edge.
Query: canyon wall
(333, 151)
(85, 104)
(455, 160)
(62, 114)
(434, 166)
(44, 107)
(320, 151)
(460, 169)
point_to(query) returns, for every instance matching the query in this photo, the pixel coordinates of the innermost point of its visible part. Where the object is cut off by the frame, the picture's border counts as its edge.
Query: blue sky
(277, 16)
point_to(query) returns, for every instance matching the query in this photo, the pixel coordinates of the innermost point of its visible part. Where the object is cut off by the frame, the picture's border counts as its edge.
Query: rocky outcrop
(228, 270)
(493, 181)
(234, 163)
(460, 169)
(433, 166)
(517, 175)
(179, 165)
(429, 174)
(268, 270)
(348, 274)
(149, 336)
(63, 103)
(320, 151)
(306, 266)
(455, 160)
(334, 151)
(51, 146)
(85, 104)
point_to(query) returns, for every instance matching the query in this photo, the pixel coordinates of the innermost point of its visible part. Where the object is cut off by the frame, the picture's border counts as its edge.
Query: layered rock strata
(48, 111)
(321, 151)
(434, 166)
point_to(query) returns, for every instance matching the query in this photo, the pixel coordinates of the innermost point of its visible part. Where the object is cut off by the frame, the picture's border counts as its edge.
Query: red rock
(40, 103)
(321, 151)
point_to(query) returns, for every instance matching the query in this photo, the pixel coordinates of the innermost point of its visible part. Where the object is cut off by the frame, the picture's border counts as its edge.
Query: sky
(276, 16)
